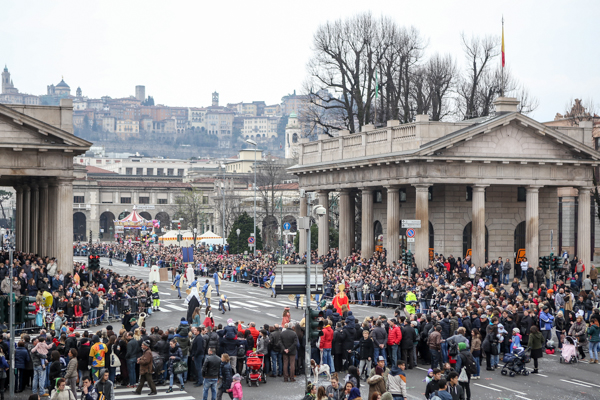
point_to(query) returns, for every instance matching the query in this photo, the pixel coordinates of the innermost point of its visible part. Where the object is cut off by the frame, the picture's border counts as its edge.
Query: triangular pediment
(512, 136)
(21, 131)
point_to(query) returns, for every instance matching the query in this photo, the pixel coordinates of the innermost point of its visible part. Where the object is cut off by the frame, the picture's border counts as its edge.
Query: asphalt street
(251, 304)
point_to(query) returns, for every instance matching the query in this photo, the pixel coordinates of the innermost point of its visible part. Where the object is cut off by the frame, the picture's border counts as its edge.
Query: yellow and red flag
(503, 54)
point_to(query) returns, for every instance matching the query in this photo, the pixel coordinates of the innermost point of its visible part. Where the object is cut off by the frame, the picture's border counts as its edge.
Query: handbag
(173, 287)
(114, 360)
(179, 367)
(463, 377)
(2, 373)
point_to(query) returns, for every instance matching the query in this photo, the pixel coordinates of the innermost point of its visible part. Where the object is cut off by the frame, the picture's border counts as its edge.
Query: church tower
(5, 80)
(215, 99)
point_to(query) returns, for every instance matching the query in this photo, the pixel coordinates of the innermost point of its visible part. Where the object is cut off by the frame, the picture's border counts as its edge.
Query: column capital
(345, 192)
(392, 189)
(43, 184)
(584, 189)
(479, 188)
(64, 181)
(27, 188)
(533, 188)
(422, 187)
(365, 190)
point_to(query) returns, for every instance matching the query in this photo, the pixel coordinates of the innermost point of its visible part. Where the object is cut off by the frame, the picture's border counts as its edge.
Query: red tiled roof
(90, 169)
(144, 184)
(203, 180)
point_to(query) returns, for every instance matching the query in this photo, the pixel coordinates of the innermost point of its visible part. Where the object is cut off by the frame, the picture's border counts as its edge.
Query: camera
(320, 211)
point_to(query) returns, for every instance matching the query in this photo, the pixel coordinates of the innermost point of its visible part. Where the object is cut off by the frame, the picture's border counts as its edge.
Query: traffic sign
(251, 240)
(411, 223)
(287, 226)
(410, 240)
(410, 233)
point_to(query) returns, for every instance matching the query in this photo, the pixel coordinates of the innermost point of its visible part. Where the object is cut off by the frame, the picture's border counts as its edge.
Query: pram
(515, 363)
(158, 369)
(255, 369)
(568, 353)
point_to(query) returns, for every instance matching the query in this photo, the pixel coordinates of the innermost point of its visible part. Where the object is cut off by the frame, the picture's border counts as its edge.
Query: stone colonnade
(44, 220)
(478, 232)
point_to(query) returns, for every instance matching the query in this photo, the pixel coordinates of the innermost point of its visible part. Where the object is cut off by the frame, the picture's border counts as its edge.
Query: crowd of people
(451, 316)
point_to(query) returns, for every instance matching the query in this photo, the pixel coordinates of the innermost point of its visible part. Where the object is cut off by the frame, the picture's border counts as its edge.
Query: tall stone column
(478, 225)
(64, 222)
(422, 234)
(43, 231)
(393, 224)
(584, 229)
(368, 230)
(344, 234)
(302, 232)
(532, 231)
(53, 230)
(19, 218)
(35, 209)
(324, 223)
(26, 219)
(352, 221)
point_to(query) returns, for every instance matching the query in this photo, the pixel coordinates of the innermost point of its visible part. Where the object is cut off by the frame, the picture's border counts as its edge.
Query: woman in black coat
(55, 368)
(490, 347)
(337, 347)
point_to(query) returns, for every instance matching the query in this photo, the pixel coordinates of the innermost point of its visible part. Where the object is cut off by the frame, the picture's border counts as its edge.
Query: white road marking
(587, 383)
(502, 387)
(487, 387)
(168, 294)
(176, 307)
(262, 304)
(174, 393)
(524, 398)
(272, 315)
(575, 383)
(246, 304)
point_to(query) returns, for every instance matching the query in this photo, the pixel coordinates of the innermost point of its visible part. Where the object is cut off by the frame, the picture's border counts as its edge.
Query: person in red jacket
(255, 333)
(394, 338)
(325, 346)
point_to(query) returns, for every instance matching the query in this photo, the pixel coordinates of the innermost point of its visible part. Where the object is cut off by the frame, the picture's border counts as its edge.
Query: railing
(81, 206)
(331, 145)
(353, 140)
(404, 132)
(311, 148)
(380, 136)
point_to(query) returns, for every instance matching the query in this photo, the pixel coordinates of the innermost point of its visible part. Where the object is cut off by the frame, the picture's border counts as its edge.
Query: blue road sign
(287, 226)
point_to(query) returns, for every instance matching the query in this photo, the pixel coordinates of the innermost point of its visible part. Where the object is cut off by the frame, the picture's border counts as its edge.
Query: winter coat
(21, 357)
(394, 335)
(579, 329)
(366, 348)
(226, 375)
(409, 337)
(376, 384)
(289, 339)
(174, 352)
(145, 362)
(262, 346)
(397, 382)
(327, 338)
(594, 332)
(71, 369)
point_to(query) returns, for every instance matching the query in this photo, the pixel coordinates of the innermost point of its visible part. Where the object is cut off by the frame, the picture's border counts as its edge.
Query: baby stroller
(569, 351)
(255, 369)
(515, 363)
(158, 370)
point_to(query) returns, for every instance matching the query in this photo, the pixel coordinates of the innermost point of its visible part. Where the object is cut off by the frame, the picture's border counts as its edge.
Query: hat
(237, 377)
(381, 358)
(132, 319)
(516, 330)
(462, 346)
(146, 343)
(71, 329)
(182, 319)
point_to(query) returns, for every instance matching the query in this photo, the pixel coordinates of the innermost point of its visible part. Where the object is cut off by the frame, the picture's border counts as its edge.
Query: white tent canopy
(209, 235)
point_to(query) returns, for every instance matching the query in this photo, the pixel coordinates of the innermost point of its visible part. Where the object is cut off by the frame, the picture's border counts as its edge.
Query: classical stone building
(486, 187)
(37, 146)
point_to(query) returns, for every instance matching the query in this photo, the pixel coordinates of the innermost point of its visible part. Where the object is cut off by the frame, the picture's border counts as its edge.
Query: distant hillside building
(140, 92)
(10, 94)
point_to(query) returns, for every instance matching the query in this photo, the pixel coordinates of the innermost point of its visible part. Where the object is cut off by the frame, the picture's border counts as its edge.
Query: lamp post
(238, 238)
(195, 232)
(253, 143)
(223, 202)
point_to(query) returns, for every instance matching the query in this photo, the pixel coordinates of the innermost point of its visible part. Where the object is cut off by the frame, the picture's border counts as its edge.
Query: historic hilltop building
(486, 187)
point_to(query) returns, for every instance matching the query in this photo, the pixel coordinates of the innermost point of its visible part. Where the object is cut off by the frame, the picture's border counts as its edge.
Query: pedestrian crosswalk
(176, 394)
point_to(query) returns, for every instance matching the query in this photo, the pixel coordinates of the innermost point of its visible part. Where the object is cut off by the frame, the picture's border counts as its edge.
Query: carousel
(135, 226)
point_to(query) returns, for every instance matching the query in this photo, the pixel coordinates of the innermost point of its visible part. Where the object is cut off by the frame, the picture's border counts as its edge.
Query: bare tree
(192, 205)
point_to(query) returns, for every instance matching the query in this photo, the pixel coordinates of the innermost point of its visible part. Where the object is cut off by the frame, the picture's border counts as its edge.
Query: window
(149, 171)
(521, 194)
(128, 171)
(79, 199)
(402, 195)
(180, 172)
(378, 196)
(125, 200)
(98, 161)
(430, 193)
(139, 171)
(469, 193)
(170, 171)
(162, 201)
(144, 200)
(160, 171)
(204, 199)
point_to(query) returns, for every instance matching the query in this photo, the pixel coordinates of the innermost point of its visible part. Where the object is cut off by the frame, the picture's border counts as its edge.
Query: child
(515, 345)
(429, 376)
(236, 388)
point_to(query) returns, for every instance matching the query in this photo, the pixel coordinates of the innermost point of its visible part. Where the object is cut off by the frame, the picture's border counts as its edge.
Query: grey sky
(183, 50)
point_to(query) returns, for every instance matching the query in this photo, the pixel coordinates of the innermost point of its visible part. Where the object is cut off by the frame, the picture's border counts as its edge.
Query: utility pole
(11, 327)
(307, 309)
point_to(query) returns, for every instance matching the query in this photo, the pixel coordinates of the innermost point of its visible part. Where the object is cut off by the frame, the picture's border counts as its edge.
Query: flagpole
(502, 79)
(376, 97)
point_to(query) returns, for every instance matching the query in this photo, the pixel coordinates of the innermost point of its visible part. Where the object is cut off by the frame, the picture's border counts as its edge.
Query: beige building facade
(486, 188)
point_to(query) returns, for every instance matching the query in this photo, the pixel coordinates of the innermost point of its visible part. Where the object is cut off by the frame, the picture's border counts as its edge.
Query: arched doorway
(107, 225)
(146, 215)
(378, 230)
(520, 231)
(79, 226)
(467, 244)
(165, 222)
(270, 236)
(123, 215)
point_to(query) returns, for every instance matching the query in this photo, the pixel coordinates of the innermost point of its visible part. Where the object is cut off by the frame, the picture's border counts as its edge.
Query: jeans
(593, 347)
(180, 376)
(210, 384)
(506, 278)
(445, 352)
(478, 363)
(359, 296)
(131, 363)
(112, 374)
(328, 360)
(276, 363)
(372, 297)
(379, 351)
(365, 364)
(93, 315)
(436, 358)
(393, 348)
(198, 361)
(423, 305)
(38, 380)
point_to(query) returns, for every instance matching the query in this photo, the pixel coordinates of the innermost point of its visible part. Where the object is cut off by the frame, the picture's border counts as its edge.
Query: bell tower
(5, 80)
(215, 99)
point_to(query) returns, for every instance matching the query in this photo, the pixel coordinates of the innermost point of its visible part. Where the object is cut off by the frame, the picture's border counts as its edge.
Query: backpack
(452, 348)
(469, 363)
(63, 367)
(241, 351)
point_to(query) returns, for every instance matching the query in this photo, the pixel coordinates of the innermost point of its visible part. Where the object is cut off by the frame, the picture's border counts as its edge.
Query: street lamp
(195, 231)
(253, 143)
(223, 201)
(238, 239)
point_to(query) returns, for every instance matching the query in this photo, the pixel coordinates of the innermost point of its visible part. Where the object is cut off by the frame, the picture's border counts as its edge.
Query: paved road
(250, 304)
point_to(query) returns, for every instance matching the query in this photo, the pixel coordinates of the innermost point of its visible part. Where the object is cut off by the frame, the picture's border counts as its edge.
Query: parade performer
(340, 299)
(207, 292)
(411, 301)
(217, 277)
(193, 300)
(272, 285)
(223, 302)
(189, 273)
(154, 274)
(155, 297)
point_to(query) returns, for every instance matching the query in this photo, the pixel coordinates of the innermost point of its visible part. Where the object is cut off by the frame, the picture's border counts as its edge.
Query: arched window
(467, 244)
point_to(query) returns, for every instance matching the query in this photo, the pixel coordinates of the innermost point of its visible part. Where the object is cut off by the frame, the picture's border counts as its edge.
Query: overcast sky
(182, 51)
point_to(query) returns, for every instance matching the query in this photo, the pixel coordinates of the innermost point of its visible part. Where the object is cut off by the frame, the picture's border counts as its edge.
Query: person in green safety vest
(155, 297)
(411, 301)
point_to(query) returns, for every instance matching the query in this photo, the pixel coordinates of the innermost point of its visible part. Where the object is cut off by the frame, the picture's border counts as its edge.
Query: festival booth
(210, 238)
(134, 226)
(170, 238)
